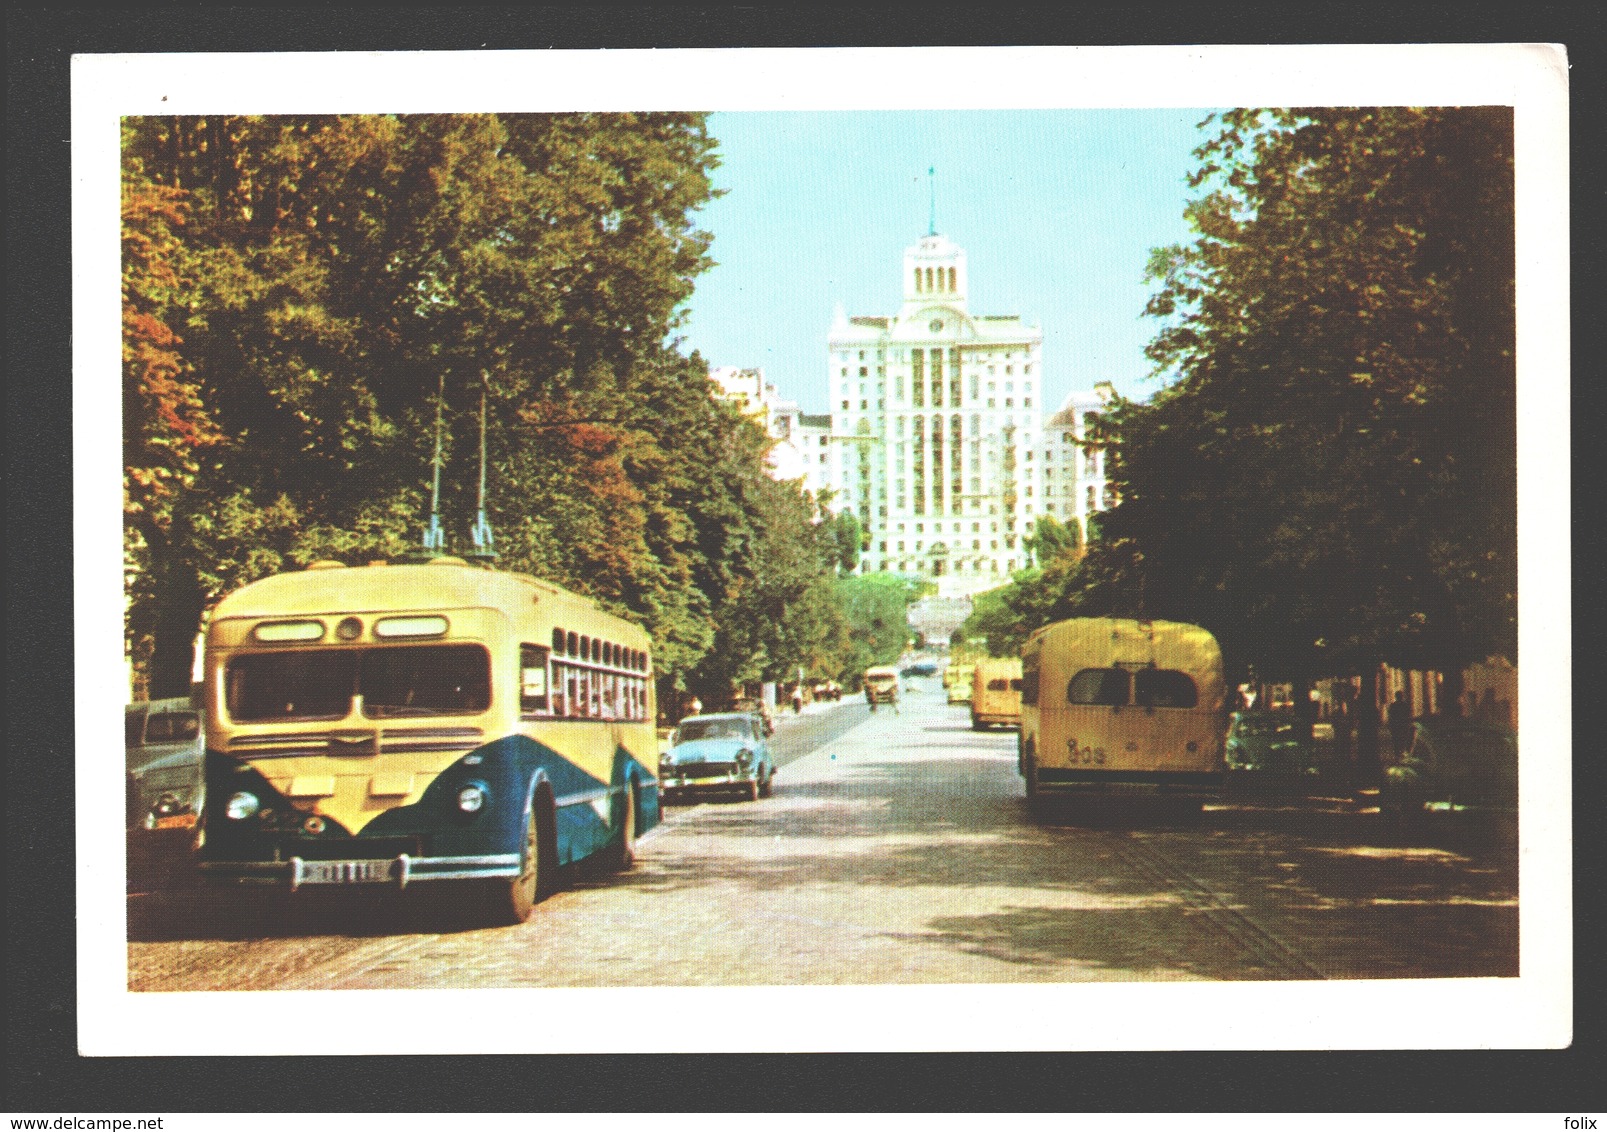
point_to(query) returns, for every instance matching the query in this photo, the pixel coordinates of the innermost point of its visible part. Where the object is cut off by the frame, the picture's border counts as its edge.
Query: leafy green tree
(1329, 480)
(1050, 539)
(847, 540)
(876, 621)
(339, 274)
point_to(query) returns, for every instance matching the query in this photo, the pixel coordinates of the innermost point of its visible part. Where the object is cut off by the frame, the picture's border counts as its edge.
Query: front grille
(702, 770)
(284, 745)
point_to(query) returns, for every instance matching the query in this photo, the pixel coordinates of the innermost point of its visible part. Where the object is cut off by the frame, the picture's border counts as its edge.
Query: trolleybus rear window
(395, 682)
(1148, 687)
(1103, 686)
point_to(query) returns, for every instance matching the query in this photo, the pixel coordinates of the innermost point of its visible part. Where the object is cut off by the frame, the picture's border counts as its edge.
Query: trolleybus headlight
(241, 806)
(471, 798)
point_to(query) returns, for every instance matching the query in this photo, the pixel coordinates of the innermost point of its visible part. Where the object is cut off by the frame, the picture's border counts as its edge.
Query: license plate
(175, 821)
(345, 872)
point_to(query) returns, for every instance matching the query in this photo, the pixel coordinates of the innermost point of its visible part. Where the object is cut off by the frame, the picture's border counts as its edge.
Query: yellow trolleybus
(996, 692)
(1111, 705)
(397, 724)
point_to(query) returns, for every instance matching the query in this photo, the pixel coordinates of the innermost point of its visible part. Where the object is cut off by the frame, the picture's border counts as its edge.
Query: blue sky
(1057, 211)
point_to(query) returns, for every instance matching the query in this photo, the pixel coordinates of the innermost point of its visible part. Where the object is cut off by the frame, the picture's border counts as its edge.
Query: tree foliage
(1328, 480)
(304, 295)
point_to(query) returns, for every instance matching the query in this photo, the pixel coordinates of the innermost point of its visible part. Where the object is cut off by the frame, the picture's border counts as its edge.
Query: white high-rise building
(1075, 484)
(935, 428)
(937, 440)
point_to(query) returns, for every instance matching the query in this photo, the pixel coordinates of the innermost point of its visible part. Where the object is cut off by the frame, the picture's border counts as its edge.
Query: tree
(876, 621)
(847, 539)
(345, 276)
(1329, 480)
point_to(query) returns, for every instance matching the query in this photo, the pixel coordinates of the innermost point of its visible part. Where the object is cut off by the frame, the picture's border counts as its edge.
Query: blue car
(721, 753)
(1270, 743)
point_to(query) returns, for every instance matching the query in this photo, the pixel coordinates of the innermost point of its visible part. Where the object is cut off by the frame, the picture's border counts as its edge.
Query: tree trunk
(1451, 689)
(173, 649)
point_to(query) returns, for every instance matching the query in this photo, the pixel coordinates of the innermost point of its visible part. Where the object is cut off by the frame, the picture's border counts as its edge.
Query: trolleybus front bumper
(397, 872)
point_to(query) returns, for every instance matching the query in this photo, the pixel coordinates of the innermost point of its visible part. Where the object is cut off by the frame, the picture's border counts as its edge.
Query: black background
(44, 1073)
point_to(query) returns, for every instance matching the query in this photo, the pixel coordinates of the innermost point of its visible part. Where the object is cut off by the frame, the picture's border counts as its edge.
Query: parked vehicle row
(441, 723)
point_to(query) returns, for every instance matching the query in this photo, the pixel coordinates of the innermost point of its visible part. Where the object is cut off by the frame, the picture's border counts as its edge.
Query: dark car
(164, 744)
(1458, 772)
(722, 753)
(1265, 743)
(163, 748)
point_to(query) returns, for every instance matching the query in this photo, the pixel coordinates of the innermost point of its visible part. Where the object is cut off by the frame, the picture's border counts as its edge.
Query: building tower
(935, 417)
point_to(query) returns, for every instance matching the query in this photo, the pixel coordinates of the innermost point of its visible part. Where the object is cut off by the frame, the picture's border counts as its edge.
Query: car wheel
(750, 790)
(620, 853)
(768, 786)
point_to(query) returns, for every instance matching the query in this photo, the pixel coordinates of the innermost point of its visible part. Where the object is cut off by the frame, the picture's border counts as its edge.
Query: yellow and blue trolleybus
(427, 722)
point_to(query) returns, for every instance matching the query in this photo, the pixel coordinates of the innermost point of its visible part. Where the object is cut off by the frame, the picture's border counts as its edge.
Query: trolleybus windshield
(394, 682)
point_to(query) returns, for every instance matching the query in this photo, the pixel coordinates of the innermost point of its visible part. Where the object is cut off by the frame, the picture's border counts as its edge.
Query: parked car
(720, 753)
(1458, 772)
(163, 747)
(1269, 743)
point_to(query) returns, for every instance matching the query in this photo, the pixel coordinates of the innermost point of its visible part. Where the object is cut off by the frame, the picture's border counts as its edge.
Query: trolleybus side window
(533, 679)
(1100, 686)
(1164, 687)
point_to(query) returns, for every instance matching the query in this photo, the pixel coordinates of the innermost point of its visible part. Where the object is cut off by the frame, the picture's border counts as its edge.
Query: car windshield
(695, 729)
(394, 682)
(172, 727)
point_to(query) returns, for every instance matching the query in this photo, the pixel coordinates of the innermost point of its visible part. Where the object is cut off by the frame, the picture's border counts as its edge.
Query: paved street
(898, 848)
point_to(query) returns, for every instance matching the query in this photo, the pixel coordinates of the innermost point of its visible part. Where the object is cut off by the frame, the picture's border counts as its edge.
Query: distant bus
(957, 678)
(996, 693)
(393, 725)
(1119, 706)
(881, 685)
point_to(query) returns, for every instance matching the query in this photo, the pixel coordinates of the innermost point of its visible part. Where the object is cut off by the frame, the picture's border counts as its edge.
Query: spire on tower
(931, 179)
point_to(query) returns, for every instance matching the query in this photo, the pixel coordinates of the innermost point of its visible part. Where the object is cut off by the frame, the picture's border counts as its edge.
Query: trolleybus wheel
(620, 854)
(511, 901)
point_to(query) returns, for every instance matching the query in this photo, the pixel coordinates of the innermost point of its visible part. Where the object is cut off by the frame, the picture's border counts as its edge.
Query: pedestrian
(1399, 718)
(694, 706)
(797, 700)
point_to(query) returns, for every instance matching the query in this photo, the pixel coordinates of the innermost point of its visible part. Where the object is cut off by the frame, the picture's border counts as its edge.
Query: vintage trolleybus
(1117, 706)
(996, 692)
(403, 724)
